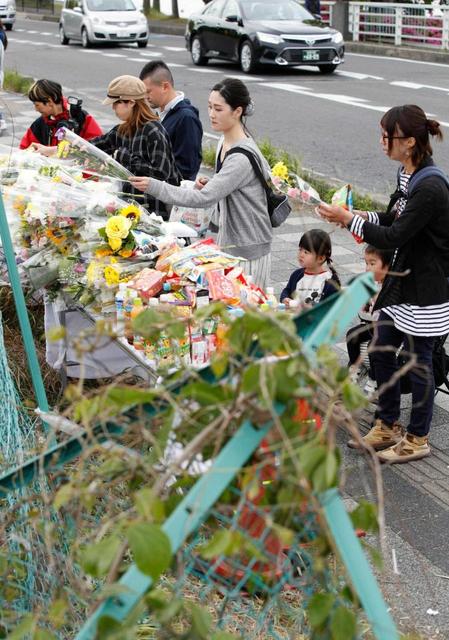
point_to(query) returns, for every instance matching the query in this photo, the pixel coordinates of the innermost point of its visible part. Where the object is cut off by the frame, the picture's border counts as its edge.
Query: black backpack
(440, 364)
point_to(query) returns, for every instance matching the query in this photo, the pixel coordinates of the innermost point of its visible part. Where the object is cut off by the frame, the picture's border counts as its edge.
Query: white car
(102, 21)
(8, 13)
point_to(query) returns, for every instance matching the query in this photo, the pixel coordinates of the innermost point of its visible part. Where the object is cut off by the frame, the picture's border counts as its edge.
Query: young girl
(317, 278)
(244, 226)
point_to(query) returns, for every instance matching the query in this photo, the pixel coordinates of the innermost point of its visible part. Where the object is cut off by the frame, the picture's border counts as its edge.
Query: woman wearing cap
(241, 204)
(140, 143)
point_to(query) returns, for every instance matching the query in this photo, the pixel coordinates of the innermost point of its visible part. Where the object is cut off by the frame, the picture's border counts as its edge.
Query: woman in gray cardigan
(244, 227)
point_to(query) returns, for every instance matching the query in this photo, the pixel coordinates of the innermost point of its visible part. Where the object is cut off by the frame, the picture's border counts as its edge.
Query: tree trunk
(174, 8)
(157, 5)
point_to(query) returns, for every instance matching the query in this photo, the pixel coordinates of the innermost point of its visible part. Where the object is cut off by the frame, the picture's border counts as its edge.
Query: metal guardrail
(418, 25)
(36, 6)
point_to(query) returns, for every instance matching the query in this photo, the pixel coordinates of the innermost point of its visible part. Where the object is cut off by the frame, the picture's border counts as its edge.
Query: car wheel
(85, 42)
(63, 39)
(248, 62)
(197, 53)
(8, 27)
(327, 68)
(142, 44)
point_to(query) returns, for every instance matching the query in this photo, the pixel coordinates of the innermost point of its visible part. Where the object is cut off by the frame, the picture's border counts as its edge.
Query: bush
(14, 81)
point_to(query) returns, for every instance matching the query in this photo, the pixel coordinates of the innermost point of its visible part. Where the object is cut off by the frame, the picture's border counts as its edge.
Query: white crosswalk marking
(358, 76)
(206, 70)
(113, 55)
(174, 48)
(152, 54)
(415, 85)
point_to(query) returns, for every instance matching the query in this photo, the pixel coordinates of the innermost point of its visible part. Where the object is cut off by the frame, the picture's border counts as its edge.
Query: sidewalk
(416, 494)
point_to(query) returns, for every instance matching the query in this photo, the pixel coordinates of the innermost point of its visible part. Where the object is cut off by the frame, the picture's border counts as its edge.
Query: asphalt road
(331, 122)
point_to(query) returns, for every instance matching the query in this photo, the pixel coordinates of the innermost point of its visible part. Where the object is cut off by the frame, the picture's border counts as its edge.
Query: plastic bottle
(135, 311)
(131, 294)
(271, 298)
(149, 346)
(120, 306)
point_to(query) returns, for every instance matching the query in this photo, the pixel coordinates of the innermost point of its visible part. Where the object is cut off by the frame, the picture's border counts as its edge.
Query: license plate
(123, 34)
(310, 54)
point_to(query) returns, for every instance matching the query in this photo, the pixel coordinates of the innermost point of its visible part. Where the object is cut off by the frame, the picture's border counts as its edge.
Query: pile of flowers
(293, 185)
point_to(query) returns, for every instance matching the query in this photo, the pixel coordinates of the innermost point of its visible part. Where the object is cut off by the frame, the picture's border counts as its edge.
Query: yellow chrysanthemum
(115, 243)
(125, 253)
(63, 149)
(93, 272)
(131, 211)
(102, 252)
(280, 170)
(118, 227)
(111, 275)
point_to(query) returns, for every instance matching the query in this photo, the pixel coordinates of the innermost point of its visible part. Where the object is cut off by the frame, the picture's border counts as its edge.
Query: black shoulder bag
(278, 205)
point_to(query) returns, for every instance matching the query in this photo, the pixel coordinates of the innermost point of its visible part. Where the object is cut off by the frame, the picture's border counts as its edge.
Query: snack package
(148, 283)
(197, 219)
(221, 288)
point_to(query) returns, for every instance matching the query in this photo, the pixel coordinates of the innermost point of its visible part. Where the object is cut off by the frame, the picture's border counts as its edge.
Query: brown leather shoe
(380, 436)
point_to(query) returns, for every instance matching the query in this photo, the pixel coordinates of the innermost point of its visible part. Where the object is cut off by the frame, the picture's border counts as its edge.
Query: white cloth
(310, 287)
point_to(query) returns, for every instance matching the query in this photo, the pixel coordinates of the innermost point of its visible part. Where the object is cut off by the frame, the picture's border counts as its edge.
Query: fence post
(355, 21)
(398, 26)
(340, 16)
(445, 31)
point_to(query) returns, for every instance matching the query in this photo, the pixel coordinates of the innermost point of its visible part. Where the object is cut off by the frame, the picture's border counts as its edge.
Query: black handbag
(277, 203)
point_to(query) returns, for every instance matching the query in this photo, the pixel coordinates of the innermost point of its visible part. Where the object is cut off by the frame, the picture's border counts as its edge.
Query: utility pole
(174, 8)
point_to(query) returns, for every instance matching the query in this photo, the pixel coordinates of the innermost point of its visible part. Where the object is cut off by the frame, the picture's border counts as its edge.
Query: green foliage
(150, 547)
(17, 83)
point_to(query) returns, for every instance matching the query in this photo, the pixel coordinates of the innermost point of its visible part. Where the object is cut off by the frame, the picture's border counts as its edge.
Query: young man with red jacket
(56, 112)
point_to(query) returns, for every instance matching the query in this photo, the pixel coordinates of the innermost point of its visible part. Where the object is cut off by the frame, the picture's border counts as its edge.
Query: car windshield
(274, 10)
(110, 5)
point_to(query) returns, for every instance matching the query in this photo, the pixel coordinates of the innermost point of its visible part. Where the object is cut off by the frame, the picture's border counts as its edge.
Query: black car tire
(85, 42)
(248, 62)
(8, 27)
(142, 44)
(63, 39)
(327, 68)
(197, 52)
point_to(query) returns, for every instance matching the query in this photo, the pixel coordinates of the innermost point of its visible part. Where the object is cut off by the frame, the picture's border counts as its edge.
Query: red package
(148, 282)
(221, 288)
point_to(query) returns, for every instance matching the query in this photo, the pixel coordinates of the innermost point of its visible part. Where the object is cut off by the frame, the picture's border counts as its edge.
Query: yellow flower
(63, 149)
(111, 275)
(280, 170)
(118, 227)
(132, 212)
(125, 253)
(93, 272)
(115, 243)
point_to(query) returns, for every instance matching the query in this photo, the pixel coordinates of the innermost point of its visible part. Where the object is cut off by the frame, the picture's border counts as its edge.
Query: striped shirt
(432, 320)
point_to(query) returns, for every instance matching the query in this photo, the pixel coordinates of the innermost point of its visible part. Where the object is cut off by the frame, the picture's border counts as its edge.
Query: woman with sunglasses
(140, 143)
(414, 299)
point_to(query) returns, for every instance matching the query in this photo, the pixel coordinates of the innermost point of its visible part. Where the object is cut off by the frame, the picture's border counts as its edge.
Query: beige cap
(125, 88)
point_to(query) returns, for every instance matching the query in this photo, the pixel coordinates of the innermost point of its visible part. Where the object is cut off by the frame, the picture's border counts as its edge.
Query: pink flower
(293, 192)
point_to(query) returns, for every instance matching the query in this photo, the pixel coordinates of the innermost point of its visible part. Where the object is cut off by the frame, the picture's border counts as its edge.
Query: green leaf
(319, 608)
(26, 626)
(43, 634)
(149, 505)
(126, 397)
(207, 394)
(201, 621)
(331, 465)
(224, 635)
(343, 624)
(353, 397)
(285, 535)
(224, 542)
(364, 516)
(310, 457)
(169, 612)
(97, 558)
(150, 547)
(63, 495)
(57, 611)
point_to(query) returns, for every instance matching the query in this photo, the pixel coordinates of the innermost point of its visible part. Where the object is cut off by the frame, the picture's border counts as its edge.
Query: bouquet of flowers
(293, 185)
(88, 158)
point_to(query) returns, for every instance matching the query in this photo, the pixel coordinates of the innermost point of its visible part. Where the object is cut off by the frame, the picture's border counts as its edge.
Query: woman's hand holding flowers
(140, 182)
(335, 214)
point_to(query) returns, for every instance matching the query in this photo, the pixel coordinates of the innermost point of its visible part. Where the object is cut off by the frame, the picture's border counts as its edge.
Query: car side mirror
(78, 9)
(235, 19)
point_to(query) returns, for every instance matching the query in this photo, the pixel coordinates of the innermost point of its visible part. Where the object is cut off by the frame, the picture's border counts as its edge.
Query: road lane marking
(136, 60)
(415, 85)
(376, 57)
(176, 64)
(243, 78)
(205, 70)
(358, 76)
(113, 55)
(174, 48)
(152, 54)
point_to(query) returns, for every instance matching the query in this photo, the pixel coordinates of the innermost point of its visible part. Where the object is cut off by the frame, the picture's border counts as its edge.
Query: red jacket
(43, 129)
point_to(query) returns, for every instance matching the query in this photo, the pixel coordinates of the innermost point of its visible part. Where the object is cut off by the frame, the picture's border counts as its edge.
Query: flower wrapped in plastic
(293, 185)
(89, 158)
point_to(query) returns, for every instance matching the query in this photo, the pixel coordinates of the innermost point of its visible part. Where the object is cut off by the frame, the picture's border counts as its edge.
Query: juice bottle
(131, 295)
(137, 339)
(120, 307)
(271, 298)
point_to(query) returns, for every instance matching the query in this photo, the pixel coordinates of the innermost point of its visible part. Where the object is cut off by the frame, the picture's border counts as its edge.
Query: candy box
(199, 349)
(148, 282)
(221, 288)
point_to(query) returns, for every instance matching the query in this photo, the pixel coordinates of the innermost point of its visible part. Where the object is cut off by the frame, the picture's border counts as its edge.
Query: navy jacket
(330, 286)
(185, 131)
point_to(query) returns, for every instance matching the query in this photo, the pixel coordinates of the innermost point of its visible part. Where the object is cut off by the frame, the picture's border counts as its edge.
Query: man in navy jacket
(178, 116)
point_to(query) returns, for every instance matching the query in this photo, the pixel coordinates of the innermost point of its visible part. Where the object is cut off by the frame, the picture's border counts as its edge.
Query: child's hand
(286, 301)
